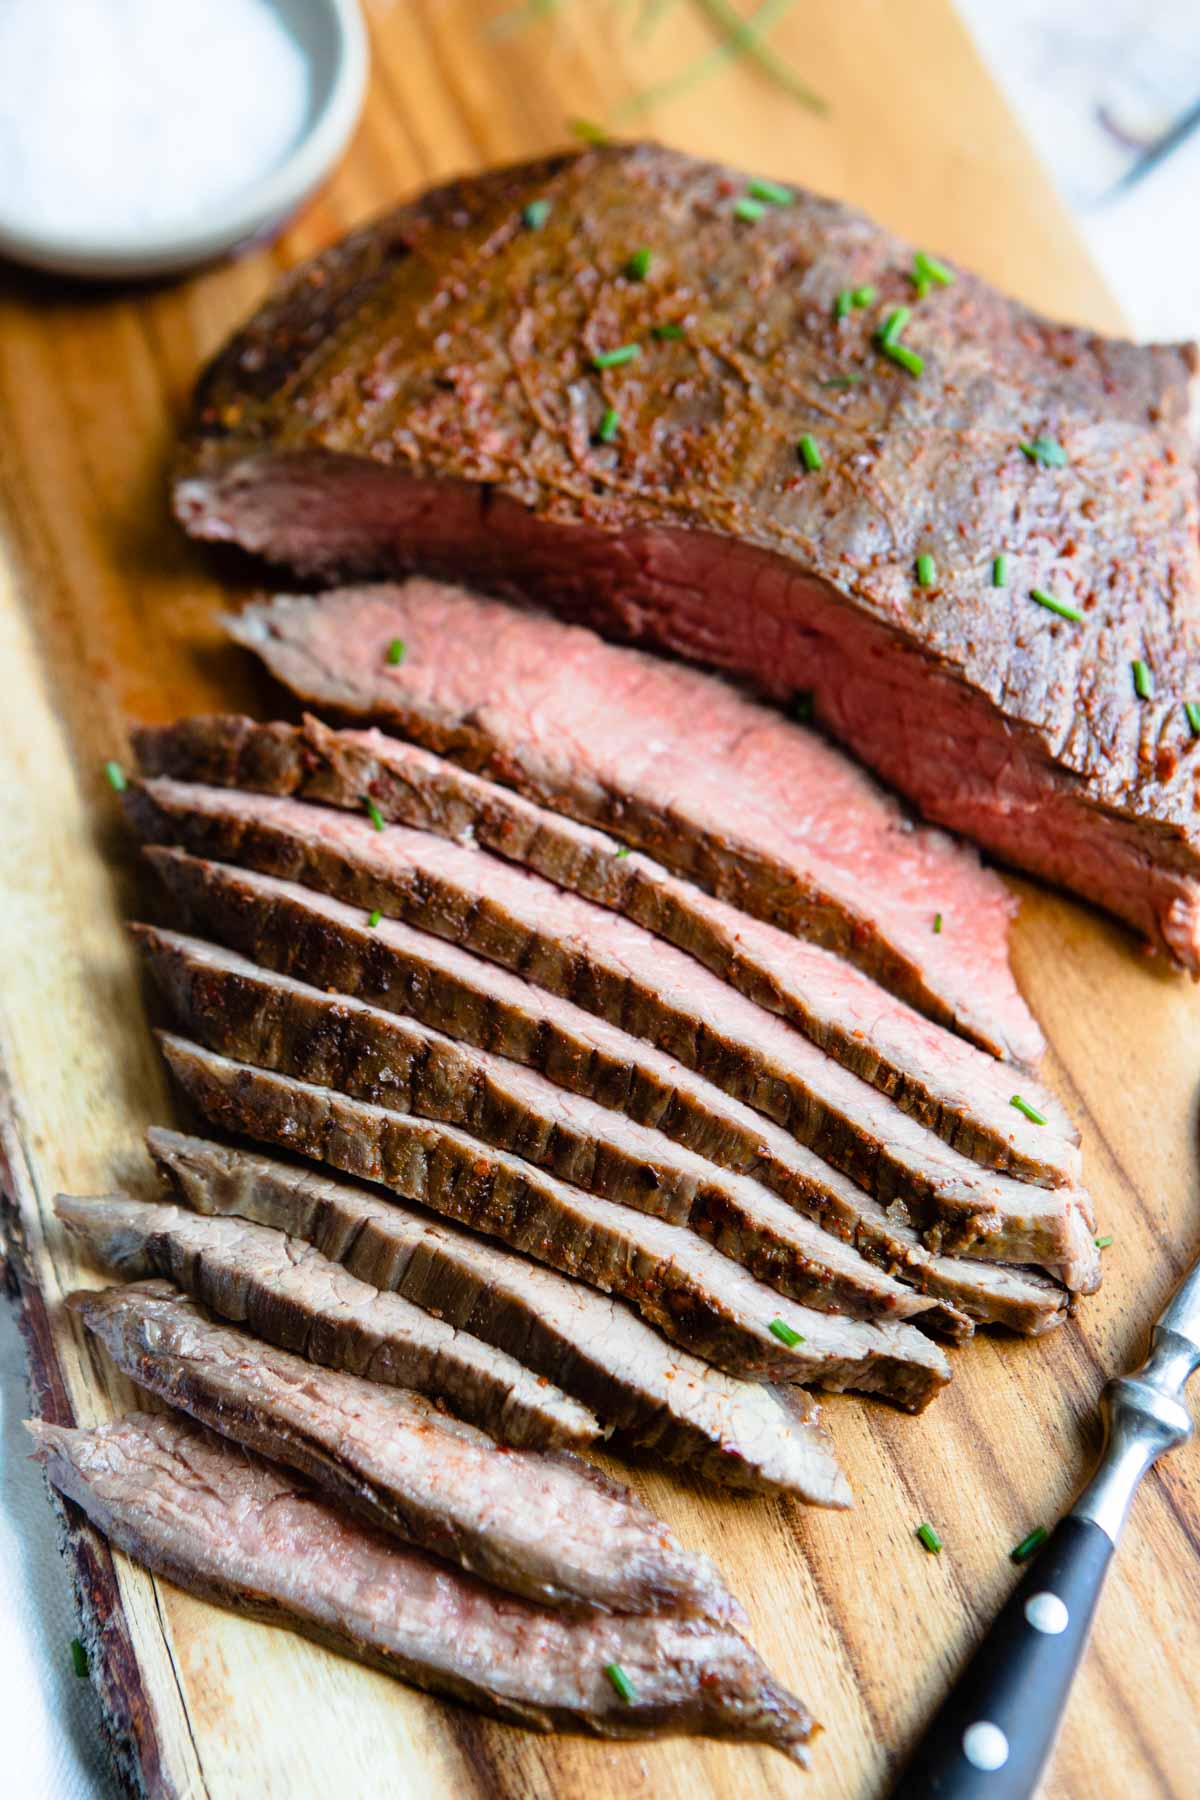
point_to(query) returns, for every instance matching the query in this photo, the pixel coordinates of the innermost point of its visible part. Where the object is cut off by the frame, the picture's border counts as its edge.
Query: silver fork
(996, 1728)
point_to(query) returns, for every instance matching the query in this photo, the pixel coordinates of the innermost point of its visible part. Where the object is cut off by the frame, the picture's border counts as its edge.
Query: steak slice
(959, 1092)
(678, 1283)
(286, 1292)
(224, 1524)
(425, 395)
(733, 1432)
(273, 1022)
(678, 764)
(545, 1525)
(282, 926)
(614, 968)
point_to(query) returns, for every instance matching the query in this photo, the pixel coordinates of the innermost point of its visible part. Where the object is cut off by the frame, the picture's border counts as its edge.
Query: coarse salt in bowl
(138, 137)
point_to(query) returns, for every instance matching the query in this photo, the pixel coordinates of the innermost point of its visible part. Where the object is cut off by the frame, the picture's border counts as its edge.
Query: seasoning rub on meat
(545, 1525)
(223, 1523)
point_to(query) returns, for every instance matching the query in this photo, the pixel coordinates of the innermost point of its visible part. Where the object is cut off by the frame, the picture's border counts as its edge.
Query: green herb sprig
(622, 1685)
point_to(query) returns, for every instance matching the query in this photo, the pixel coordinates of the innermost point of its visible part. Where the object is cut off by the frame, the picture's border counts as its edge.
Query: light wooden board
(107, 615)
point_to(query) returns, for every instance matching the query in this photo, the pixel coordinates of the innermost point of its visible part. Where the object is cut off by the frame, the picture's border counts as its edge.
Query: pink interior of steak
(687, 591)
(763, 789)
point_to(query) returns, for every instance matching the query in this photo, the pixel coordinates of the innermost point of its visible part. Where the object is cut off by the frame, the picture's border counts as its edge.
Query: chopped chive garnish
(638, 266)
(748, 209)
(808, 452)
(782, 1330)
(862, 296)
(842, 381)
(926, 570)
(1053, 604)
(610, 424)
(1102, 1243)
(843, 306)
(1143, 682)
(536, 214)
(374, 814)
(770, 191)
(621, 1682)
(937, 922)
(623, 851)
(79, 1658)
(116, 777)
(802, 707)
(907, 359)
(587, 131)
(927, 1536)
(664, 332)
(1047, 452)
(612, 359)
(927, 268)
(1000, 571)
(893, 325)
(1192, 709)
(374, 918)
(395, 651)
(1031, 1112)
(1025, 1549)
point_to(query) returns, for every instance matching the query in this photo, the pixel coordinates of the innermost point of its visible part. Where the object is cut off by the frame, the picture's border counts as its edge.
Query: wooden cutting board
(108, 615)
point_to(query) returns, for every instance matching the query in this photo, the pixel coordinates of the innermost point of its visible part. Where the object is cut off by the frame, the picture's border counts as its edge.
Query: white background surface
(1062, 62)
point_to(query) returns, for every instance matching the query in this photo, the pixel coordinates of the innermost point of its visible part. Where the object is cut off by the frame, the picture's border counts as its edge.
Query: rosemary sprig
(739, 37)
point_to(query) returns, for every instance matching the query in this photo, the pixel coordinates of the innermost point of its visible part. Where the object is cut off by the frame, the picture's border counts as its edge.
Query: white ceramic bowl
(331, 36)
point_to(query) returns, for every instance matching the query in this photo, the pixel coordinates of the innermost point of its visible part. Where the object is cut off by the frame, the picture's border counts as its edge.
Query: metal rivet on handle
(985, 1746)
(1046, 1613)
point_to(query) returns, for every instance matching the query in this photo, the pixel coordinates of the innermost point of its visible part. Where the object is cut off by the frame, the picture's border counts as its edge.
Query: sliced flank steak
(733, 1432)
(270, 1021)
(613, 968)
(1001, 525)
(749, 805)
(282, 926)
(959, 1092)
(678, 1283)
(544, 1525)
(286, 1292)
(224, 1524)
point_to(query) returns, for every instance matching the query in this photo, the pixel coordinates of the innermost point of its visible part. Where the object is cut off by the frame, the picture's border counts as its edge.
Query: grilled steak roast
(733, 1432)
(286, 1292)
(680, 1284)
(681, 765)
(226, 1525)
(427, 394)
(272, 1022)
(544, 1525)
(614, 968)
(961, 1093)
(282, 926)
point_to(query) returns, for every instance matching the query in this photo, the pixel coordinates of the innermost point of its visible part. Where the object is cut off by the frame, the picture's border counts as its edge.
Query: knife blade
(992, 1736)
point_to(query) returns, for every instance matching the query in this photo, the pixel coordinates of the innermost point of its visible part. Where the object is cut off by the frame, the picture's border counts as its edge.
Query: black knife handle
(994, 1732)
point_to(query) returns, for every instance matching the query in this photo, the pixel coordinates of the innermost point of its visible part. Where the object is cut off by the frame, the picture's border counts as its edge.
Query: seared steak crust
(286, 1292)
(322, 941)
(743, 802)
(425, 395)
(613, 968)
(545, 1525)
(957, 1091)
(733, 1432)
(228, 1526)
(272, 1022)
(676, 1281)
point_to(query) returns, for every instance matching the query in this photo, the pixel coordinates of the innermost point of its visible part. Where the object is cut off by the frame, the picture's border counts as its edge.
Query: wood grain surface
(107, 615)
